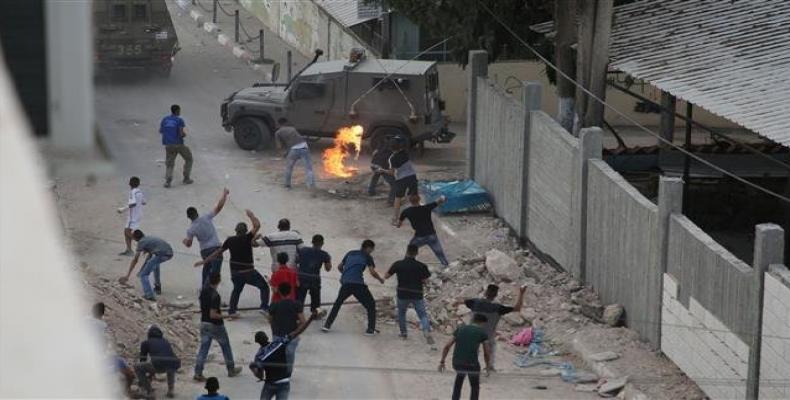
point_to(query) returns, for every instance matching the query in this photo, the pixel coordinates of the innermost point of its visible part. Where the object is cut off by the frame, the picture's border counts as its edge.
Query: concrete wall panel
(775, 349)
(622, 229)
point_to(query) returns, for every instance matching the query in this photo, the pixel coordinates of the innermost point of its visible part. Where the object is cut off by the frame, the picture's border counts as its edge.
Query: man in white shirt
(283, 241)
(135, 213)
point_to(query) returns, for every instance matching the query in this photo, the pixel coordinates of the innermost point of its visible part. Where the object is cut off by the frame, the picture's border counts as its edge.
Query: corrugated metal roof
(349, 12)
(370, 66)
(731, 58)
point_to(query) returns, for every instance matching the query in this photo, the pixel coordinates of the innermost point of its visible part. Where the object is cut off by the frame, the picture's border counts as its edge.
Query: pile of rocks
(128, 317)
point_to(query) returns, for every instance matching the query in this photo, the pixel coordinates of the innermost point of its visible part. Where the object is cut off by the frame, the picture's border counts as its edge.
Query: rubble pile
(128, 317)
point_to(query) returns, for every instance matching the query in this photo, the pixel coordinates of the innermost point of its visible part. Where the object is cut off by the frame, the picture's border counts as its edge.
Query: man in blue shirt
(173, 132)
(352, 283)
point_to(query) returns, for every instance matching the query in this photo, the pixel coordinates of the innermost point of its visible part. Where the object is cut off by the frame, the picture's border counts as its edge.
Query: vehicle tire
(382, 135)
(252, 133)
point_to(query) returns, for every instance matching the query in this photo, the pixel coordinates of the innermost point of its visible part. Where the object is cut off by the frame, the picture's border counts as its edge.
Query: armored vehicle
(134, 34)
(386, 97)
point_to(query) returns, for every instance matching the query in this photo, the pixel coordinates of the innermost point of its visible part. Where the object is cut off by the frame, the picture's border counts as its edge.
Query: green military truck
(386, 97)
(134, 34)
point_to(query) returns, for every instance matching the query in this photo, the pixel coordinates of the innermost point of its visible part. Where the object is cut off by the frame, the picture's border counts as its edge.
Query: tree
(470, 27)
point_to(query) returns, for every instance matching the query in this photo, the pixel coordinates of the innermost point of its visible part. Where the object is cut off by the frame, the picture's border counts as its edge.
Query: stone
(529, 313)
(549, 372)
(514, 319)
(604, 356)
(480, 269)
(501, 266)
(462, 311)
(586, 387)
(613, 314)
(585, 377)
(469, 292)
(612, 386)
(592, 311)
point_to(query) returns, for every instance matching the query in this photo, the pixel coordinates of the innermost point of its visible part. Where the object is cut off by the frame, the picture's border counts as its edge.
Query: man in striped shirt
(283, 241)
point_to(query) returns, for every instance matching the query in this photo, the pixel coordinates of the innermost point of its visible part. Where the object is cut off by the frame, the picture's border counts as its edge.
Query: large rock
(462, 311)
(501, 266)
(613, 314)
(514, 319)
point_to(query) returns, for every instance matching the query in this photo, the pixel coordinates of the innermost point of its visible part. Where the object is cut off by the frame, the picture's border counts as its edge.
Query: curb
(223, 39)
(604, 370)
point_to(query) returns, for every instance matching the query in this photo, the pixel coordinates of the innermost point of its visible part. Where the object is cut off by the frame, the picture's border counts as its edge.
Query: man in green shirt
(467, 340)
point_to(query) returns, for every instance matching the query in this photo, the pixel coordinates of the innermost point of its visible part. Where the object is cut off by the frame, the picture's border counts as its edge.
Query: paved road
(340, 364)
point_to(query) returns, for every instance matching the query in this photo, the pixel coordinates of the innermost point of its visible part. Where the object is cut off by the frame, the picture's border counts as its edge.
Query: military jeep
(386, 97)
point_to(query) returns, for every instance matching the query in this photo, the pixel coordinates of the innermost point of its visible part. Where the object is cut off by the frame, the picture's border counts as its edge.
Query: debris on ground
(604, 356)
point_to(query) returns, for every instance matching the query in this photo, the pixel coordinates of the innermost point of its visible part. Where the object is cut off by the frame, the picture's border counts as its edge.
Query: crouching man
(156, 357)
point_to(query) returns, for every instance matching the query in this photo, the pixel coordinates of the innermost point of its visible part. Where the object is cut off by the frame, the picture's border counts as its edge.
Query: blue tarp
(462, 196)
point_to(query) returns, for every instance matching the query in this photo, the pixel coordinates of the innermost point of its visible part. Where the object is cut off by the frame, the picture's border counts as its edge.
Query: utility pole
(667, 124)
(595, 28)
(565, 26)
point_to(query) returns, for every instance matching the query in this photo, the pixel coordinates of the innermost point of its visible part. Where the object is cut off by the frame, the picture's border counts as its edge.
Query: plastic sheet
(462, 196)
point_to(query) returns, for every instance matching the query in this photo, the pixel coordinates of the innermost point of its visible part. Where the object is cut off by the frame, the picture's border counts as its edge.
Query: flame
(347, 141)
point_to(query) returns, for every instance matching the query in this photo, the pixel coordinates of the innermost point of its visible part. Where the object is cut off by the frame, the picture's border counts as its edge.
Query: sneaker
(429, 339)
(188, 181)
(233, 315)
(371, 332)
(199, 378)
(264, 311)
(170, 395)
(167, 184)
(325, 328)
(158, 289)
(403, 336)
(233, 371)
(126, 253)
(150, 298)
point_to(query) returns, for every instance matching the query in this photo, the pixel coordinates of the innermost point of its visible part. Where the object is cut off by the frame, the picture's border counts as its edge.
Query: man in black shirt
(424, 232)
(411, 276)
(493, 312)
(212, 327)
(310, 260)
(285, 316)
(157, 357)
(401, 167)
(270, 363)
(242, 267)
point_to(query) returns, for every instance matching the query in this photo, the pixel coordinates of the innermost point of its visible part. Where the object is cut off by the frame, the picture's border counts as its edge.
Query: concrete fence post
(590, 146)
(670, 201)
(478, 67)
(532, 99)
(768, 249)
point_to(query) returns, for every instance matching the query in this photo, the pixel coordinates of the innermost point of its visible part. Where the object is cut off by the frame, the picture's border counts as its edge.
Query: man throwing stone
(352, 283)
(157, 251)
(202, 228)
(242, 267)
(424, 231)
(173, 130)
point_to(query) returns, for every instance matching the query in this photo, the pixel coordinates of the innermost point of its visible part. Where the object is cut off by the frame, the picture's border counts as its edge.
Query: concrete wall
(622, 239)
(775, 354)
(702, 346)
(710, 274)
(499, 151)
(306, 26)
(552, 185)
(509, 74)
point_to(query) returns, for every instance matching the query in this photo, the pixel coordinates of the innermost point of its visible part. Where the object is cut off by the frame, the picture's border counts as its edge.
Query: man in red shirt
(284, 274)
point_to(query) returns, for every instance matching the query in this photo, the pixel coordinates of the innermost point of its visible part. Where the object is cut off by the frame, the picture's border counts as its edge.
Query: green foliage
(471, 27)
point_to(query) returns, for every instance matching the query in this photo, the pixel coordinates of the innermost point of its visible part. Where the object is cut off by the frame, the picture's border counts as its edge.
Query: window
(389, 84)
(118, 13)
(309, 90)
(432, 80)
(139, 12)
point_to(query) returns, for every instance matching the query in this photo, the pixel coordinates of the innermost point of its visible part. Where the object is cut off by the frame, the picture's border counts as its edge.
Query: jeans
(145, 371)
(315, 296)
(293, 156)
(277, 391)
(209, 332)
(151, 265)
(461, 372)
(419, 307)
(433, 242)
(374, 180)
(491, 351)
(360, 292)
(251, 277)
(212, 267)
(173, 150)
(290, 353)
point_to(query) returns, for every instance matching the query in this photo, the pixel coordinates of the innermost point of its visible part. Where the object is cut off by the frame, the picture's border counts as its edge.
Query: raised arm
(256, 223)
(221, 202)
